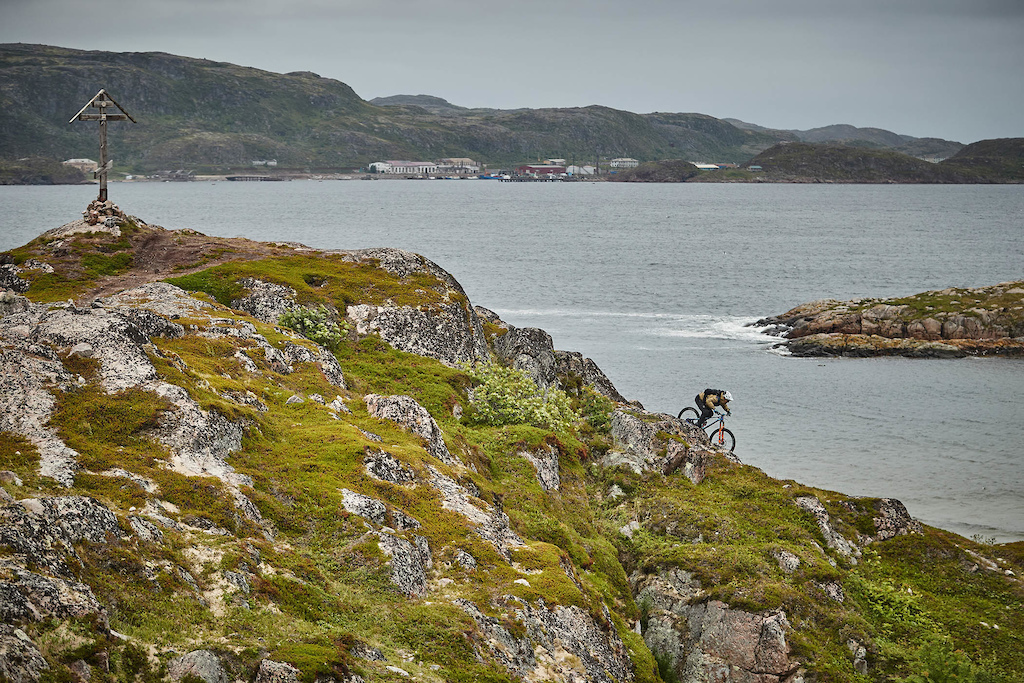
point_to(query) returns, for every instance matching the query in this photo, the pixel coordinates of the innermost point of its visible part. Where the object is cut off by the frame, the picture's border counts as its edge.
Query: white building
(402, 167)
(705, 167)
(580, 170)
(458, 165)
(623, 162)
(83, 165)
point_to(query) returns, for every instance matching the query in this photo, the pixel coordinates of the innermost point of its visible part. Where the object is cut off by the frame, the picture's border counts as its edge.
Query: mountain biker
(708, 400)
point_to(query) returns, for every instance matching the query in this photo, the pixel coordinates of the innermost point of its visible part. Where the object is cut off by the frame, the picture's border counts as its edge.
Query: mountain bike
(717, 433)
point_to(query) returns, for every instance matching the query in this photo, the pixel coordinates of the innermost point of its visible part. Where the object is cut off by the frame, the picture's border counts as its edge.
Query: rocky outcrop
(545, 463)
(490, 522)
(531, 350)
(29, 373)
(382, 465)
(646, 441)
(560, 643)
(833, 539)
(947, 323)
(20, 659)
(569, 363)
(277, 672)
(701, 640)
(448, 332)
(264, 301)
(410, 561)
(893, 520)
(203, 664)
(412, 416)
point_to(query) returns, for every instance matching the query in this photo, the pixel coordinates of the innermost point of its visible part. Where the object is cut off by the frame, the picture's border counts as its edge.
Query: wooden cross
(103, 102)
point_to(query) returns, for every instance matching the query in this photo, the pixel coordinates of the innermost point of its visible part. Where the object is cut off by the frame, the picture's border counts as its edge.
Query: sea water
(657, 284)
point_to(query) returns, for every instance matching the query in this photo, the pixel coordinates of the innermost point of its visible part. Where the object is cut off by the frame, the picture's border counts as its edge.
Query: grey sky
(928, 68)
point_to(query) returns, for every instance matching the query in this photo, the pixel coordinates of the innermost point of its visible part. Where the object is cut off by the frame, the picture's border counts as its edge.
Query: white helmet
(727, 396)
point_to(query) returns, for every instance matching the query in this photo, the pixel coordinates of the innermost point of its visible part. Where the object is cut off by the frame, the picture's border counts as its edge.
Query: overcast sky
(930, 68)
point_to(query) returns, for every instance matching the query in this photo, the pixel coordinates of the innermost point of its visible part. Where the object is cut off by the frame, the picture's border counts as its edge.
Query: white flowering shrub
(313, 323)
(509, 396)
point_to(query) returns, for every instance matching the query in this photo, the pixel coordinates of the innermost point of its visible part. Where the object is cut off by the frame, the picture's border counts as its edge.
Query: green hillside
(203, 115)
(987, 161)
(285, 466)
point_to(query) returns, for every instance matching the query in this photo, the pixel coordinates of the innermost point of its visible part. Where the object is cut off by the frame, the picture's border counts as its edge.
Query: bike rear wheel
(690, 413)
(722, 439)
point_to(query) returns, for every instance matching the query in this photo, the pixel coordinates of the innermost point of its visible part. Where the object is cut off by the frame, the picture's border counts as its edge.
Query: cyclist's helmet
(727, 396)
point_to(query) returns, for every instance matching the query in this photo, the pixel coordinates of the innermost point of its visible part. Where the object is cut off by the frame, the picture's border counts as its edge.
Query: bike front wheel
(690, 413)
(722, 438)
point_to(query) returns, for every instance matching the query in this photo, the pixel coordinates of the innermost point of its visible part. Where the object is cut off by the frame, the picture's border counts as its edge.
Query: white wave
(577, 313)
(714, 327)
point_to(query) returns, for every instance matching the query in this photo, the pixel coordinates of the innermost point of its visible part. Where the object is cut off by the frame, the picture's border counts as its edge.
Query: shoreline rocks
(948, 323)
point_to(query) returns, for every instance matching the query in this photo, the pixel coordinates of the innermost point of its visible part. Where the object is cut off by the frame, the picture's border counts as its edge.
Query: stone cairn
(106, 212)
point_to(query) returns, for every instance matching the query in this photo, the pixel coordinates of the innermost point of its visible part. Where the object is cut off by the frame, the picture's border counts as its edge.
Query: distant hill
(203, 115)
(931, 149)
(664, 171)
(986, 161)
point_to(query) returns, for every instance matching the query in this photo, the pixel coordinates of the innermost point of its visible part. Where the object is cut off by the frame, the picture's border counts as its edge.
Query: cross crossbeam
(104, 102)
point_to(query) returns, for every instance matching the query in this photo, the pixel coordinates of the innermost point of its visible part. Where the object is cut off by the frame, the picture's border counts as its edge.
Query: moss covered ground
(320, 583)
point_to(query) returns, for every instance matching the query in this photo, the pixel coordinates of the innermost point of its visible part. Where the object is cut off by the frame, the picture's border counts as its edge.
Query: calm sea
(656, 283)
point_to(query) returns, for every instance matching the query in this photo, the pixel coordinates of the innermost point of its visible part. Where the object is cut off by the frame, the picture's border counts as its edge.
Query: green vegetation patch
(323, 278)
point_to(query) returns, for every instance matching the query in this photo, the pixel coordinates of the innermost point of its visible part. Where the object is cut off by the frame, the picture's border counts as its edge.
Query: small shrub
(313, 323)
(506, 396)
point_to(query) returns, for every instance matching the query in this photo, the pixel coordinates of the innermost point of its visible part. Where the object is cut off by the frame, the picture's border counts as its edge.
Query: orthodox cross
(104, 103)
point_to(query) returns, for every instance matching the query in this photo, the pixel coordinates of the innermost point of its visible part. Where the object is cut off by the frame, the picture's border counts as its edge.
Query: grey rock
(364, 506)
(202, 663)
(10, 280)
(338, 405)
(465, 560)
(11, 302)
(367, 652)
(370, 435)
(561, 643)
(117, 344)
(545, 461)
(161, 298)
(264, 301)
(832, 538)
(146, 531)
(294, 399)
(322, 358)
(893, 520)
(412, 416)
(20, 659)
(448, 332)
(788, 562)
(860, 656)
(29, 596)
(573, 363)
(490, 523)
(239, 581)
(246, 398)
(832, 589)
(531, 350)
(383, 466)
(615, 492)
(277, 672)
(29, 373)
(8, 477)
(408, 563)
(401, 521)
(629, 529)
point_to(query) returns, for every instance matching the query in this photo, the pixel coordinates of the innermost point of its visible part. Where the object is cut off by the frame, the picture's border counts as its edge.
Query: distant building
(458, 165)
(540, 169)
(403, 167)
(554, 162)
(705, 167)
(83, 165)
(580, 170)
(623, 162)
(264, 162)
(754, 168)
